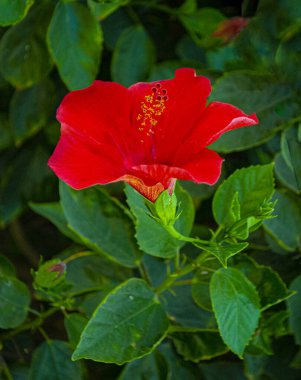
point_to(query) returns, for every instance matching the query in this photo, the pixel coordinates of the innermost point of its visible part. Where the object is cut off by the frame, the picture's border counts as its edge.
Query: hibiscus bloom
(147, 135)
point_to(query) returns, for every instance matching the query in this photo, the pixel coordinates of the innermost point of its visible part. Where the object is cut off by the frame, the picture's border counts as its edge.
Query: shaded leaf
(52, 360)
(30, 110)
(254, 93)
(199, 345)
(14, 299)
(133, 56)
(75, 43)
(101, 223)
(294, 306)
(286, 228)
(24, 44)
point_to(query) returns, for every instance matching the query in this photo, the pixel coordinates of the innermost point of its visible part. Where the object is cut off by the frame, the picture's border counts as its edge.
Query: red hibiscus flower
(147, 135)
(227, 30)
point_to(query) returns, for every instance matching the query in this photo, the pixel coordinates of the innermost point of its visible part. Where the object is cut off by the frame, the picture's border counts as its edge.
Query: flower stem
(177, 235)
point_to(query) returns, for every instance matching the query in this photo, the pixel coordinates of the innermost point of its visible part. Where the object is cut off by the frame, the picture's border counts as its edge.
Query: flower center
(152, 107)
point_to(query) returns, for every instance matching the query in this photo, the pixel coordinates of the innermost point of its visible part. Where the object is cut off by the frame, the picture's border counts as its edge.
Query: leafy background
(50, 47)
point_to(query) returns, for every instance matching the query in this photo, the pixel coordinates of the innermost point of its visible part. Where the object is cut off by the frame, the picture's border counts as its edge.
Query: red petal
(204, 168)
(81, 162)
(100, 112)
(186, 99)
(217, 119)
(151, 180)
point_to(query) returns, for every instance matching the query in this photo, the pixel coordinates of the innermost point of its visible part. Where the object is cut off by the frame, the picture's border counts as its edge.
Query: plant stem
(77, 255)
(5, 369)
(177, 235)
(143, 273)
(154, 5)
(23, 244)
(36, 323)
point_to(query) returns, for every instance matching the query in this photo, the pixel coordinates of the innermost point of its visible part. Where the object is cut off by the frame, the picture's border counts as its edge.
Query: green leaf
(286, 175)
(201, 23)
(286, 228)
(54, 212)
(74, 325)
(93, 272)
(199, 345)
(200, 286)
(114, 25)
(236, 307)
(7, 269)
(127, 325)
(30, 110)
(5, 132)
(273, 103)
(75, 43)
(21, 179)
(178, 369)
(12, 11)
(165, 69)
(52, 360)
(24, 57)
(223, 251)
(151, 236)
(254, 366)
(229, 370)
(133, 56)
(294, 306)
(103, 10)
(182, 309)
(152, 367)
(254, 187)
(101, 223)
(291, 152)
(269, 285)
(14, 300)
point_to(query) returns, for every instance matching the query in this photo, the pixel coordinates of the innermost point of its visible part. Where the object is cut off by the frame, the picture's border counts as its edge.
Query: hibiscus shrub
(170, 246)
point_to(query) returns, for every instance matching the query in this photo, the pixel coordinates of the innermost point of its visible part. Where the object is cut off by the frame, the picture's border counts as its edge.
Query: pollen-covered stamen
(151, 108)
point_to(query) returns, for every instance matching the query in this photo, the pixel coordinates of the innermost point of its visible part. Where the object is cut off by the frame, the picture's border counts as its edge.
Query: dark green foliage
(175, 290)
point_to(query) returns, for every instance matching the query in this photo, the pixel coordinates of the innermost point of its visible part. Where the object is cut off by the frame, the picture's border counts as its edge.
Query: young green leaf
(127, 325)
(254, 187)
(236, 307)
